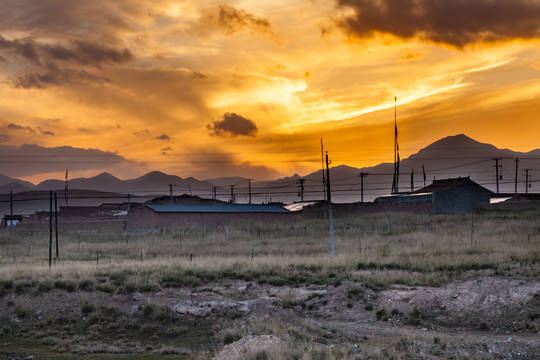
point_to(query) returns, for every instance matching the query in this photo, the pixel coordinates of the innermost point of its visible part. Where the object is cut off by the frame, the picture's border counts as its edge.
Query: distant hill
(452, 156)
(7, 180)
(14, 187)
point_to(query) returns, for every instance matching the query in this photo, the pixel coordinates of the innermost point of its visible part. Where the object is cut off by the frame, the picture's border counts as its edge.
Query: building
(185, 199)
(10, 221)
(449, 195)
(147, 216)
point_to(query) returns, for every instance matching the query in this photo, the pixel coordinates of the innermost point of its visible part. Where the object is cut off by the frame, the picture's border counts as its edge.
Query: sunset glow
(248, 88)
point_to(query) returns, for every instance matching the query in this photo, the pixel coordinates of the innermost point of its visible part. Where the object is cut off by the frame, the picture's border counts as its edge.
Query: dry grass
(434, 248)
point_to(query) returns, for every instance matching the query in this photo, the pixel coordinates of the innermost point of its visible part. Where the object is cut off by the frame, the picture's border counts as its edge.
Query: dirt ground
(483, 317)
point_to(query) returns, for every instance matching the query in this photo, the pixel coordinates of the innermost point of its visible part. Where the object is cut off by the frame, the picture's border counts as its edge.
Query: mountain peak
(459, 141)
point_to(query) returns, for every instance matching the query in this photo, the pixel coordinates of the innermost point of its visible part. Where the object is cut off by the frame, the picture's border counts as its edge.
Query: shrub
(69, 286)
(231, 335)
(86, 285)
(381, 313)
(87, 307)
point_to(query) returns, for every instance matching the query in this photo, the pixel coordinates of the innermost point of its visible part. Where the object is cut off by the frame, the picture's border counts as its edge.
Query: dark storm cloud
(29, 129)
(53, 59)
(453, 22)
(78, 52)
(233, 125)
(21, 127)
(142, 132)
(54, 76)
(232, 20)
(163, 137)
(27, 160)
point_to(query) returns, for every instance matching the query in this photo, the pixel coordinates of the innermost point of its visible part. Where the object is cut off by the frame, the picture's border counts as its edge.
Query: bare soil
(483, 317)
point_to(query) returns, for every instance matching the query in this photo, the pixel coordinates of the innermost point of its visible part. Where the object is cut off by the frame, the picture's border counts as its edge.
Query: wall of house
(462, 198)
(144, 218)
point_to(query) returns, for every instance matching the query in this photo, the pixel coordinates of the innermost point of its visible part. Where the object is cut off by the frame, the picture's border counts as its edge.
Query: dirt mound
(251, 345)
(217, 307)
(487, 302)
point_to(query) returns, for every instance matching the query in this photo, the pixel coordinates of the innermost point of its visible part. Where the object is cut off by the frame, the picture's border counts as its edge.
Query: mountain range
(452, 156)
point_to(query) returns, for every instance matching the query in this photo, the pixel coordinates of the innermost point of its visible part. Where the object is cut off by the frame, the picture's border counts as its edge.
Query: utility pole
(232, 194)
(170, 193)
(395, 183)
(50, 228)
(301, 183)
(412, 180)
(56, 223)
(424, 172)
(11, 205)
(526, 181)
(516, 182)
(497, 171)
(215, 194)
(329, 197)
(66, 188)
(249, 189)
(362, 175)
(322, 168)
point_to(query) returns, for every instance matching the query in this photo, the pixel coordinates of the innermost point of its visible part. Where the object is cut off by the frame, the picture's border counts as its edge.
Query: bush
(381, 313)
(231, 335)
(69, 286)
(87, 307)
(86, 285)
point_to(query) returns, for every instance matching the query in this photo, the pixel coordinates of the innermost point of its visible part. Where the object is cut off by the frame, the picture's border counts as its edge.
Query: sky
(249, 88)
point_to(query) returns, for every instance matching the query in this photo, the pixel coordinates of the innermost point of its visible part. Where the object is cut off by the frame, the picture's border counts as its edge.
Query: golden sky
(248, 88)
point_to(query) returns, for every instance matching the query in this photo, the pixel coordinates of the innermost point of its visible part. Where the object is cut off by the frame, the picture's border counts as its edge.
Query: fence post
(359, 238)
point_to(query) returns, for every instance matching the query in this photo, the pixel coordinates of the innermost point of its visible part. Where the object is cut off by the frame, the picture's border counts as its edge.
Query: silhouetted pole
(362, 176)
(515, 187)
(56, 222)
(526, 181)
(232, 194)
(497, 172)
(322, 168)
(424, 172)
(412, 180)
(249, 189)
(301, 182)
(11, 206)
(329, 197)
(171, 193)
(215, 194)
(50, 228)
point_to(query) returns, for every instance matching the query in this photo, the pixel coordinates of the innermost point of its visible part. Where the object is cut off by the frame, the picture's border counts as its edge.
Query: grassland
(126, 286)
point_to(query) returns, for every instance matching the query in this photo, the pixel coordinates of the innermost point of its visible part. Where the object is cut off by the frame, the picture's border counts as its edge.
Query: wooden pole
(56, 222)
(330, 217)
(50, 228)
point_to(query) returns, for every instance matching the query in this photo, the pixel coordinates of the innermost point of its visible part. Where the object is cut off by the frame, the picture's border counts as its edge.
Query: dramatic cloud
(79, 52)
(27, 160)
(232, 20)
(54, 77)
(456, 23)
(53, 58)
(163, 137)
(30, 130)
(233, 125)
